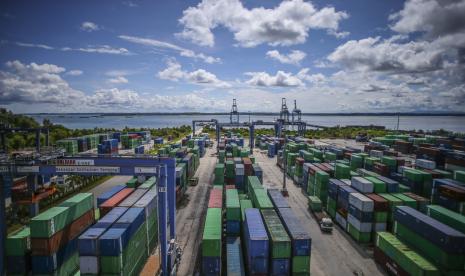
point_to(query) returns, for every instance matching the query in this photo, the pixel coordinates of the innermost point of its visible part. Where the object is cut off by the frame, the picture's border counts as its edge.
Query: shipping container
(280, 242)
(300, 238)
(256, 243)
(108, 194)
(211, 240)
(234, 257)
(115, 200)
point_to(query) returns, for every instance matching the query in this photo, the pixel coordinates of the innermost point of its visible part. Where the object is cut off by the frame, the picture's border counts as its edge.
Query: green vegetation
(57, 132)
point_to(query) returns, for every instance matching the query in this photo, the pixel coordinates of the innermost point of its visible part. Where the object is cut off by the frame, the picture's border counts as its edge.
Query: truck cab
(326, 225)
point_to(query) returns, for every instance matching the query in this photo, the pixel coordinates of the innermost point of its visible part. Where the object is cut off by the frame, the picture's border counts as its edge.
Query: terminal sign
(86, 169)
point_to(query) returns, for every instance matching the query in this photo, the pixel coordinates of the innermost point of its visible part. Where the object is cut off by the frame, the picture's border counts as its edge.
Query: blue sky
(156, 56)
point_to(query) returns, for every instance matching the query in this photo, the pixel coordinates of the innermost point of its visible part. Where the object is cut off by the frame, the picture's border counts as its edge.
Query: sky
(177, 56)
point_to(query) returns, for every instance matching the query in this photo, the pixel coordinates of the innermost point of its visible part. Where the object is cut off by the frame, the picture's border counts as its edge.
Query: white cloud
(102, 49)
(89, 26)
(436, 17)
(286, 24)
(118, 80)
(74, 72)
(294, 57)
(174, 72)
(114, 97)
(281, 78)
(36, 83)
(165, 45)
(130, 4)
(373, 53)
(99, 49)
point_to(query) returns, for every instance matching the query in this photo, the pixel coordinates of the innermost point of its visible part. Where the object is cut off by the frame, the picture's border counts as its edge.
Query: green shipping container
(459, 176)
(127, 262)
(233, 208)
(405, 257)
(314, 203)
(219, 174)
(245, 204)
(446, 216)
(300, 264)
(79, 204)
(211, 240)
(407, 201)
(18, 243)
(280, 241)
(341, 171)
(393, 202)
(361, 237)
(378, 185)
(261, 200)
(403, 188)
(132, 183)
(49, 222)
(380, 216)
(149, 183)
(69, 267)
(439, 257)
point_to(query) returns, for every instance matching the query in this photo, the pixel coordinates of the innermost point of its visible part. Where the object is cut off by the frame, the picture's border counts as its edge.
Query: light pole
(284, 191)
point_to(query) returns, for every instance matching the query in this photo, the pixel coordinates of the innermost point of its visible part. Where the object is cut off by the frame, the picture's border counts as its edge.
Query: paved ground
(190, 215)
(341, 143)
(335, 254)
(115, 180)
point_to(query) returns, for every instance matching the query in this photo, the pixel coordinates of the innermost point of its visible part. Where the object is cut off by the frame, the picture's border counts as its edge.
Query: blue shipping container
(211, 266)
(233, 227)
(359, 215)
(18, 264)
(392, 186)
(132, 220)
(88, 241)
(235, 264)
(256, 241)
(110, 218)
(113, 241)
(109, 193)
(301, 240)
(280, 267)
(277, 198)
(445, 237)
(148, 202)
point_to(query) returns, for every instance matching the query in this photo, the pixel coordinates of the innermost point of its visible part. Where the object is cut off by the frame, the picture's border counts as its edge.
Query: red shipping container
(452, 192)
(380, 203)
(299, 160)
(247, 166)
(49, 246)
(230, 181)
(216, 199)
(381, 169)
(114, 200)
(322, 167)
(313, 169)
(388, 264)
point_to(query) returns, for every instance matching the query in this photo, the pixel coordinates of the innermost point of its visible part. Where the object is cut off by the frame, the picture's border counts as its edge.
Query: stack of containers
(378, 185)
(271, 149)
(113, 201)
(342, 207)
(393, 203)
(333, 190)
(54, 235)
(298, 172)
(247, 166)
(109, 146)
(139, 149)
(380, 213)
(18, 252)
(132, 183)
(301, 242)
(69, 145)
(277, 198)
(123, 247)
(449, 194)
(395, 256)
(446, 216)
(230, 172)
(82, 144)
(234, 257)
(212, 243)
(318, 184)
(233, 213)
(240, 176)
(257, 171)
(259, 196)
(280, 244)
(360, 217)
(219, 174)
(341, 171)
(108, 194)
(256, 243)
(88, 242)
(149, 202)
(442, 245)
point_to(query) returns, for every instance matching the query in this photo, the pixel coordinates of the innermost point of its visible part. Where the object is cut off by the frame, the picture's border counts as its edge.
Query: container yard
(230, 204)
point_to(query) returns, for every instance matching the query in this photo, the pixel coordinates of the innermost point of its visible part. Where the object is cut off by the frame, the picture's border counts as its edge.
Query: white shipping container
(88, 265)
(360, 226)
(341, 221)
(363, 185)
(376, 153)
(425, 164)
(347, 181)
(361, 202)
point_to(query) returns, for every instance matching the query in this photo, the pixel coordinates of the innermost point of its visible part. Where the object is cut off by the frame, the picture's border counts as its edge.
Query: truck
(326, 224)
